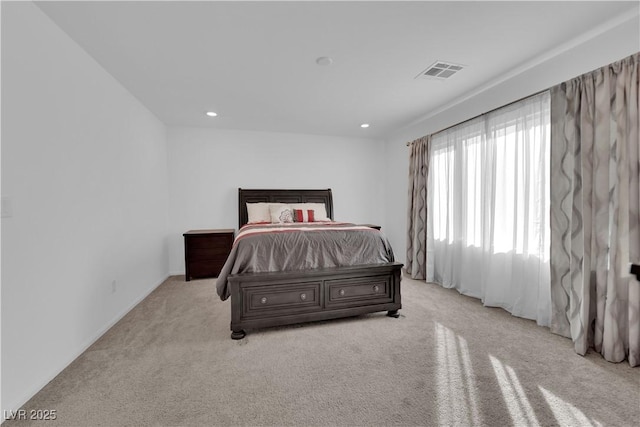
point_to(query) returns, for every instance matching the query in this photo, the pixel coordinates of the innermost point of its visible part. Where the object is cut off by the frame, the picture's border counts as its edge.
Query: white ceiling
(254, 62)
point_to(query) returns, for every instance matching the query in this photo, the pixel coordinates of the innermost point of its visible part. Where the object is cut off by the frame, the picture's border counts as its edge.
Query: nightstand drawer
(208, 253)
(205, 268)
(222, 242)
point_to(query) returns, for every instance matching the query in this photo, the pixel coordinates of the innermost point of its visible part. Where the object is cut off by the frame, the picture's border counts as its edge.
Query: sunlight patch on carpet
(513, 394)
(565, 412)
(457, 400)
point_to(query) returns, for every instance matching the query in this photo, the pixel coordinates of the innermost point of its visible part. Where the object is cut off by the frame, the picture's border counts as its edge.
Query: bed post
(397, 278)
(237, 333)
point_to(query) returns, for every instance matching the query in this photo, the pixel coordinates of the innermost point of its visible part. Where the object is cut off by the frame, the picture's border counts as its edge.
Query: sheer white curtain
(489, 208)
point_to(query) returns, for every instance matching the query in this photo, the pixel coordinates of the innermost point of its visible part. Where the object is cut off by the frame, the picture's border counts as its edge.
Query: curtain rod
(487, 112)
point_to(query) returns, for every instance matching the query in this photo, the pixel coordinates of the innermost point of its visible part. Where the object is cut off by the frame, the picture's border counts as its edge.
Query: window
(489, 207)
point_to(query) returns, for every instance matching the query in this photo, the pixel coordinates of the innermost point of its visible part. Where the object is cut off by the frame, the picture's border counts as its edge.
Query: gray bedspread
(302, 246)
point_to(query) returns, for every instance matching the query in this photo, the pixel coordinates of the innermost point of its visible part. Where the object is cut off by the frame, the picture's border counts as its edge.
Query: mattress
(260, 248)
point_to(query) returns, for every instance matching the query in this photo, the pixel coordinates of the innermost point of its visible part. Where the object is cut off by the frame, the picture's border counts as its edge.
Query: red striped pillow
(303, 215)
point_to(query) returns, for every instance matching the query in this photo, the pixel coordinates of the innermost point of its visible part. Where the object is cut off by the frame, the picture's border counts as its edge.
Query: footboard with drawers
(283, 298)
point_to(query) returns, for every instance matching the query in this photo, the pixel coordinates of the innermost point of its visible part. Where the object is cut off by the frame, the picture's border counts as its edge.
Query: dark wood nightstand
(205, 252)
(377, 227)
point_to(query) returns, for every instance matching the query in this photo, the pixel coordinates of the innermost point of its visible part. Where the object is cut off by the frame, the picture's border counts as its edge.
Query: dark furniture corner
(377, 227)
(205, 252)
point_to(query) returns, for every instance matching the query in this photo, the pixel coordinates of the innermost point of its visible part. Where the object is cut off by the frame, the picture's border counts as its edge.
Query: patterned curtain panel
(416, 264)
(595, 211)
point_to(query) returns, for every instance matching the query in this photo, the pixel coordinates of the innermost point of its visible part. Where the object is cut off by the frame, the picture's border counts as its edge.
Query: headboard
(282, 196)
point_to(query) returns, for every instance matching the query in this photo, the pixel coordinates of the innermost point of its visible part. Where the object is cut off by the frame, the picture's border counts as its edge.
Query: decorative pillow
(319, 210)
(259, 212)
(302, 215)
(281, 214)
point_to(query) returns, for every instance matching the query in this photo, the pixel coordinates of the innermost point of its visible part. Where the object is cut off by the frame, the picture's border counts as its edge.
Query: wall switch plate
(6, 210)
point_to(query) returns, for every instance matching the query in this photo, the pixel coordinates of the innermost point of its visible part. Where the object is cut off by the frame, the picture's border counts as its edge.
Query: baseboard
(20, 402)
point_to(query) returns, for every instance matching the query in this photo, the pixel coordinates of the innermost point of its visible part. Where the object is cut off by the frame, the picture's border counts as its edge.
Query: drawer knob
(263, 300)
(376, 288)
(341, 292)
(303, 297)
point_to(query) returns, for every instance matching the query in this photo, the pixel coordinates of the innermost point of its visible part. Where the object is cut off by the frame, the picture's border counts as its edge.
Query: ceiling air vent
(440, 70)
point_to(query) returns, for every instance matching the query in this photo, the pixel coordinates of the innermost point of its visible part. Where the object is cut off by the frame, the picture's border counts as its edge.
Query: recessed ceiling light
(324, 61)
(364, 125)
(211, 114)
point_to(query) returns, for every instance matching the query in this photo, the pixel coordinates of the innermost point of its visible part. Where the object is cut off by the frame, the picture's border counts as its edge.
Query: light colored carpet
(446, 361)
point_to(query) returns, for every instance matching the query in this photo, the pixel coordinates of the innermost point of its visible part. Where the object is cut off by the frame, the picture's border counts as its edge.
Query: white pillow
(259, 212)
(281, 214)
(319, 210)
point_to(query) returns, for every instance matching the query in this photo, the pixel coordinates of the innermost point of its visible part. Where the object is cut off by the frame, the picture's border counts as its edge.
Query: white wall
(207, 166)
(85, 167)
(610, 43)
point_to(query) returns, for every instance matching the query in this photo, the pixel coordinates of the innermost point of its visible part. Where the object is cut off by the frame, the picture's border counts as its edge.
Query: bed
(276, 295)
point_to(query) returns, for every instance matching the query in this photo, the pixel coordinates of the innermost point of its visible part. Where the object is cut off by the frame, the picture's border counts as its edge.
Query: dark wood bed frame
(260, 300)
